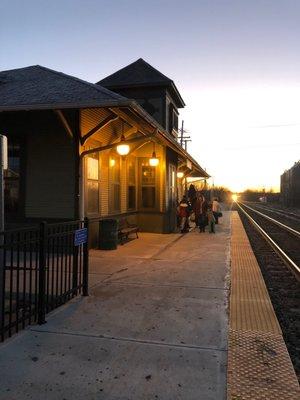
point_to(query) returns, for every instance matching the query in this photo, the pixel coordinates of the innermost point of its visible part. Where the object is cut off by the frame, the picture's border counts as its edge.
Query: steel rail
(286, 259)
(286, 214)
(286, 227)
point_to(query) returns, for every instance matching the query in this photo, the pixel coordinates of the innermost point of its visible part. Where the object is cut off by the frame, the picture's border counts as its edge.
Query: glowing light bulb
(123, 149)
(153, 161)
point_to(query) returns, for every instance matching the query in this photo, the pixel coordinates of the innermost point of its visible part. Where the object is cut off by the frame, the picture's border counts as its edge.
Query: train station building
(185, 316)
(97, 150)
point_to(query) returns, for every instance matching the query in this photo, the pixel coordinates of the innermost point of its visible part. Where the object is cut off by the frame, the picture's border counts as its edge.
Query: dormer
(154, 91)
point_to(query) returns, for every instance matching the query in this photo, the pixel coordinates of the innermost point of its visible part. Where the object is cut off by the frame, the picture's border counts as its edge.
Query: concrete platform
(154, 327)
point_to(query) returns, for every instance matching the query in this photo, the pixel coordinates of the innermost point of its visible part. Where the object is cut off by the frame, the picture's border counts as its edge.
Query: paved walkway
(153, 327)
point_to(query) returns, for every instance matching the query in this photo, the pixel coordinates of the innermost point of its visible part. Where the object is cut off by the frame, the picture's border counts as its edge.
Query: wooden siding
(104, 183)
(110, 133)
(152, 220)
(50, 173)
(150, 98)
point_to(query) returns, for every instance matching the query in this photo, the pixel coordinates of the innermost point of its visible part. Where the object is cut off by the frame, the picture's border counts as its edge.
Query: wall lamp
(180, 175)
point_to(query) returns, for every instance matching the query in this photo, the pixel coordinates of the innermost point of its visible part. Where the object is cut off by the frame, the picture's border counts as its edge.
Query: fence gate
(41, 268)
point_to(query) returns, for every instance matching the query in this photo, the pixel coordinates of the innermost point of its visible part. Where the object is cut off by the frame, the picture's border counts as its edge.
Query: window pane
(148, 197)
(92, 196)
(114, 170)
(148, 175)
(131, 197)
(93, 167)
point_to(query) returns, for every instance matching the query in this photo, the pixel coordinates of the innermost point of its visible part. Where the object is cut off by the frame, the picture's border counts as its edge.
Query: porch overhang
(193, 169)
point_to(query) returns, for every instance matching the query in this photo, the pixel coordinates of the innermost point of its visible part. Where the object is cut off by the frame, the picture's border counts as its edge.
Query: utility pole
(181, 133)
(182, 138)
(186, 140)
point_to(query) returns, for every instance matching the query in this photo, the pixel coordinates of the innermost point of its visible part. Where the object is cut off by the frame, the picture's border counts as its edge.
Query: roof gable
(140, 73)
(136, 73)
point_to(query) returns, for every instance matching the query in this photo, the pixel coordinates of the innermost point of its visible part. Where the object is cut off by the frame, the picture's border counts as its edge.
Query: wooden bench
(125, 229)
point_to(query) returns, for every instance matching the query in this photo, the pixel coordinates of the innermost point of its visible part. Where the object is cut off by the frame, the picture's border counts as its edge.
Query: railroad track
(284, 239)
(281, 215)
(279, 259)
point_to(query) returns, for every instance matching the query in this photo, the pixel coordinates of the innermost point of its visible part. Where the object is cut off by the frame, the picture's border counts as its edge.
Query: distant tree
(257, 194)
(223, 194)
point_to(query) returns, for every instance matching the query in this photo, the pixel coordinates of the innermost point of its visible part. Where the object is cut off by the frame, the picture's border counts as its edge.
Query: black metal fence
(40, 269)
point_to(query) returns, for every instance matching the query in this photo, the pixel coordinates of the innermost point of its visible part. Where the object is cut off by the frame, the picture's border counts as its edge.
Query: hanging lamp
(153, 161)
(123, 148)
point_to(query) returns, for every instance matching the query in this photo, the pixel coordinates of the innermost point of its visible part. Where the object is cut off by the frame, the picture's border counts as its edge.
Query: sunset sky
(236, 63)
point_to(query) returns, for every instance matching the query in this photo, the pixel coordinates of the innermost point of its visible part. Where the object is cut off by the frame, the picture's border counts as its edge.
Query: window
(92, 165)
(173, 118)
(131, 179)
(12, 177)
(148, 185)
(114, 179)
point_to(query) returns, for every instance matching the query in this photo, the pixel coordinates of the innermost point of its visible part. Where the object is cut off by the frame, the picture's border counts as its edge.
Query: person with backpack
(183, 213)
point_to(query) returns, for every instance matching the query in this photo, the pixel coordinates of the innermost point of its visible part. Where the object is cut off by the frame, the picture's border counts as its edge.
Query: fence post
(75, 271)
(42, 274)
(85, 273)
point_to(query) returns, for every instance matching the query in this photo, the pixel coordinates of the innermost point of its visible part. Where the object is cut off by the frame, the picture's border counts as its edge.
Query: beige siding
(151, 220)
(50, 175)
(89, 118)
(104, 183)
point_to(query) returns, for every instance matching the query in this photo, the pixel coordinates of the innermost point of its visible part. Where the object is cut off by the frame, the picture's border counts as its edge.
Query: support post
(3, 166)
(42, 274)
(85, 272)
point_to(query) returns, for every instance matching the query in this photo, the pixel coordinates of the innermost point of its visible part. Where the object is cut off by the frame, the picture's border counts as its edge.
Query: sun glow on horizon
(245, 137)
(234, 197)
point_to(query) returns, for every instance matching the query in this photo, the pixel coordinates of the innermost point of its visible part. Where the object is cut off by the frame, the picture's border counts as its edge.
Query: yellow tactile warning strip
(250, 306)
(259, 366)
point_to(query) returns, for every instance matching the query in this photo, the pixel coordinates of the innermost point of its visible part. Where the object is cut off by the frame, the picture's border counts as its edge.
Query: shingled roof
(140, 74)
(39, 88)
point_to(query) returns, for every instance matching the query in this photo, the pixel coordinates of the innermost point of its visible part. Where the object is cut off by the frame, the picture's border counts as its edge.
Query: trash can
(108, 234)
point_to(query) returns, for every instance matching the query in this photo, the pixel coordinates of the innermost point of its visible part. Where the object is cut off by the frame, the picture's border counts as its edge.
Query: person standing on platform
(211, 219)
(202, 219)
(192, 193)
(183, 212)
(216, 209)
(197, 208)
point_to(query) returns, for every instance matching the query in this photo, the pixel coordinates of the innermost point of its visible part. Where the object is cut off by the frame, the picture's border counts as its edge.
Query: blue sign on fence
(81, 236)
